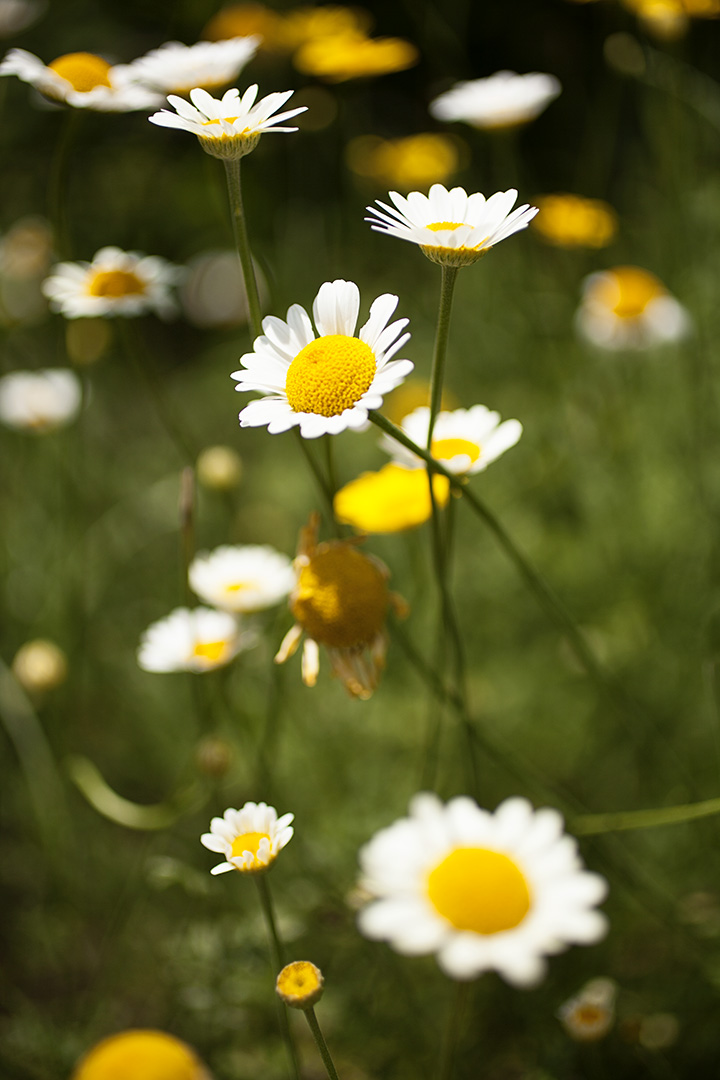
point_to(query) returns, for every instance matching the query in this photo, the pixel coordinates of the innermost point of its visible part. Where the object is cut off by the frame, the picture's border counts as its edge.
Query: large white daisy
(325, 381)
(502, 100)
(192, 640)
(627, 307)
(483, 891)
(242, 577)
(464, 441)
(249, 838)
(451, 227)
(39, 401)
(177, 68)
(82, 80)
(115, 283)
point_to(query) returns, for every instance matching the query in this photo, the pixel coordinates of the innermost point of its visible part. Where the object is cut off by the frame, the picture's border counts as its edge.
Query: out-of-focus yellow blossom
(142, 1055)
(389, 501)
(219, 468)
(572, 221)
(241, 20)
(415, 161)
(354, 56)
(670, 19)
(40, 665)
(285, 32)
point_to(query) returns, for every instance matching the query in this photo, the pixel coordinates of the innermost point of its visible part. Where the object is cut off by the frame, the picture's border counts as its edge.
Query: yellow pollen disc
(210, 650)
(115, 284)
(249, 841)
(479, 890)
(438, 226)
(238, 586)
(589, 1014)
(627, 291)
(84, 71)
(445, 449)
(330, 375)
(299, 982)
(341, 597)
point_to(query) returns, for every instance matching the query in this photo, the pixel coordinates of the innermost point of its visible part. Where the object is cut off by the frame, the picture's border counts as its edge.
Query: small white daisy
(590, 1014)
(82, 80)
(228, 127)
(452, 227)
(483, 891)
(192, 640)
(502, 100)
(629, 308)
(324, 382)
(176, 68)
(116, 282)
(464, 441)
(39, 401)
(245, 578)
(249, 838)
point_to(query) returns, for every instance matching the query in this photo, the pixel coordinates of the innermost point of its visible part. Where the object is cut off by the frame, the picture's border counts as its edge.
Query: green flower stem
(278, 962)
(144, 364)
(187, 530)
(595, 824)
(325, 487)
(57, 183)
(321, 1044)
(447, 287)
(232, 174)
(453, 1029)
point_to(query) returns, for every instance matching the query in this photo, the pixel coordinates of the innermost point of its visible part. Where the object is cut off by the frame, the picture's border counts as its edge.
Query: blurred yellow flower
(410, 162)
(573, 221)
(142, 1055)
(284, 32)
(389, 501)
(241, 20)
(670, 19)
(354, 56)
(40, 665)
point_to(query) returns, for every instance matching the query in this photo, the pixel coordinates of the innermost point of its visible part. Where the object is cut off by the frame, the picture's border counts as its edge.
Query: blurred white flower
(82, 80)
(39, 401)
(116, 282)
(502, 100)
(244, 578)
(464, 441)
(590, 1014)
(627, 307)
(192, 640)
(213, 292)
(16, 15)
(249, 838)
(177, 68)
(40, 665)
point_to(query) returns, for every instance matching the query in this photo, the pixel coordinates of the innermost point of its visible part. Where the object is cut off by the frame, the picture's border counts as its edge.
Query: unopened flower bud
(300, 984)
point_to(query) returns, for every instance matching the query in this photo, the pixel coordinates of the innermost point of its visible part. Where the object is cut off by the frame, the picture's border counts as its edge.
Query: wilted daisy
(192, 640)
(116, 282)
(176, 68)
(572, 221)
(249, 838)
(245, 578)
(484, 891)
(82, 80)
(341, 601)
(464, 441)
(410, 162)
(590, 1014)
(502, 100)
(627, 307)
(228, 127)
(354, 56)
(39, 401)
(452, 227)
(327, 381)
(146, 1054)
(388, 501)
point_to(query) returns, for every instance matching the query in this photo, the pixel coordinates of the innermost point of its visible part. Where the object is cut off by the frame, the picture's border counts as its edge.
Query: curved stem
(595, 824)
(320, 1042)
(232, 174)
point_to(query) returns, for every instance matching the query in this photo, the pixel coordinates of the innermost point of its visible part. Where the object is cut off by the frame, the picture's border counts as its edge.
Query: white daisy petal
(500, 101)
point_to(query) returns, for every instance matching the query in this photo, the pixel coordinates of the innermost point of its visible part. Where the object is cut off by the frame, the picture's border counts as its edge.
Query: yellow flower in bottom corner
(341, 601)
(389, 501)
(140, 1055)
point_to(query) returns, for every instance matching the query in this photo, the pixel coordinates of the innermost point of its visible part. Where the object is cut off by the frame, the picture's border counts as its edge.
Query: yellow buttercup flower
(354, 56)
(389, 501)
(284, 32)
(410, 162)
(572, 221)
(140, 1055)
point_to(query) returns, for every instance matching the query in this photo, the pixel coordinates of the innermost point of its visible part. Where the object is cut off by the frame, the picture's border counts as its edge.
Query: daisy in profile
(324, 380)
(483, 891)
(228, 127)
(177, 69)
(503, 100)
(39, 401)
(116, 282)
(627, 307)
(152, 1055)
(341, 600)
(249, 838)
(192, 640)
(82, 80)
(243, 578)
(390, 500)
(465, 441)
(452, 228)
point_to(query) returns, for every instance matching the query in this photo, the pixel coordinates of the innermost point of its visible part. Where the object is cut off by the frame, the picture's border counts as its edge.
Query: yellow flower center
(479, 890)
(627, 291)
(249, 841)
(238, 585)
(330, 375)
(445, 449)
(210, 650)
(150, 1055)
(438, 226)
(589, 1014)
(341, 597)
(115, 284)
(84, 71)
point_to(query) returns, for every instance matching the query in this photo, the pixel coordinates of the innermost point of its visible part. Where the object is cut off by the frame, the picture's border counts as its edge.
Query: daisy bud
(300, 984)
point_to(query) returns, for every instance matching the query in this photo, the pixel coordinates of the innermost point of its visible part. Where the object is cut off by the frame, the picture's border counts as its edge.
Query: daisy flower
(388, 501)
(341, 601)
(327, 381)
(451, 227)
(177, 68)
(464, 441)
(249, 838)
(629, 308)
(502, 100)
(590, 1014)
(242, 578)
(192, 640)
(154, 1055)
(482, 891)
(116, 282)
(228, 127)
(572, 221)
(82, 80)
(39, 401)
